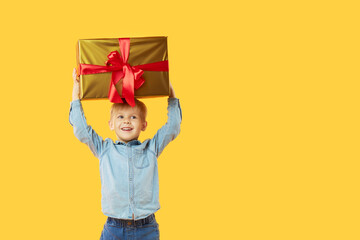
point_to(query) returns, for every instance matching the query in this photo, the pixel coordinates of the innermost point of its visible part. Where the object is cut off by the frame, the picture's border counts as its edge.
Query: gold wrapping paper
(142, 51)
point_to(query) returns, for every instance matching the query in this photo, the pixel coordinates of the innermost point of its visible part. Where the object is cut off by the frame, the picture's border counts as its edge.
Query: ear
(111, 125)
(144, 126)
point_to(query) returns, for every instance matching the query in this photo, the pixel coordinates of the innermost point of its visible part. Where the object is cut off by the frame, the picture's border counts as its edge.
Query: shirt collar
(132, 142)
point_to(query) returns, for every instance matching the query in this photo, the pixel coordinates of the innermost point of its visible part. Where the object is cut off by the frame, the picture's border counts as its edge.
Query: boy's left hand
(172, 92)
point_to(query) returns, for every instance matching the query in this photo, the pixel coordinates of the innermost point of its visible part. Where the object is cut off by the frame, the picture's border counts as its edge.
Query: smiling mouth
(126, 129)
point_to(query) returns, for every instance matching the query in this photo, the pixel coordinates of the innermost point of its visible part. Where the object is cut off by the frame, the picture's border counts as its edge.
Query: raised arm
(171, 129)
(82, 131)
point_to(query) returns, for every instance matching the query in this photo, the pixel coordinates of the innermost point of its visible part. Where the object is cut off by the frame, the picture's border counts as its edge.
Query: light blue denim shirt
(129, 172)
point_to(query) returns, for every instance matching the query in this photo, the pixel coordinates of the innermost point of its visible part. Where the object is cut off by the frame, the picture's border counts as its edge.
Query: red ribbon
(120, 68)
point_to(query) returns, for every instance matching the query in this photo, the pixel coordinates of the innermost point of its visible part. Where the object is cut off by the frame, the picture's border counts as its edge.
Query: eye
(133, 117)
(120, 116)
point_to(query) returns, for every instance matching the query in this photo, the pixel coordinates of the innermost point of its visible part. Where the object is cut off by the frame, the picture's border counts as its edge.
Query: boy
(128, 168)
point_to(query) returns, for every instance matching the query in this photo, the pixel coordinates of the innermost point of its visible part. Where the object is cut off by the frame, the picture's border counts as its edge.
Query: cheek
(116, 124)
(138, 127)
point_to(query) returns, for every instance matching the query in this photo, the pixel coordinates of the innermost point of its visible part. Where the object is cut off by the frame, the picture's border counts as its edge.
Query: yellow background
(269, 147)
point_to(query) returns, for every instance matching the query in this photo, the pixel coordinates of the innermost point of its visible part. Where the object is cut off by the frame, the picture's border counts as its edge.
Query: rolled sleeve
(82, 131)
(76, 105)
(170, 130)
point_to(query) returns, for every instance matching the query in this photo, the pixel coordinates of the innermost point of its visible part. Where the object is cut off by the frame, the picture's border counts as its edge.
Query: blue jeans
(144, 229)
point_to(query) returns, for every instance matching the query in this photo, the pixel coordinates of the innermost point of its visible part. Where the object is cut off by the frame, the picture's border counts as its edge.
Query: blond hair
(138, 106)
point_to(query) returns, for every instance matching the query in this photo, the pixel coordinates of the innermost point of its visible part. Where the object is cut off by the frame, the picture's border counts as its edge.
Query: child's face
(127, 124)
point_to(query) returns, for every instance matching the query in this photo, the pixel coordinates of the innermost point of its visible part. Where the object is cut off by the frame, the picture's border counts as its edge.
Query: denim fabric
(129, 172)
(115, 229)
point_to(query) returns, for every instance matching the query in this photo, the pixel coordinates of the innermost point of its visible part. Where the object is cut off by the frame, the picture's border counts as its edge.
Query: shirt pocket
(141, 159)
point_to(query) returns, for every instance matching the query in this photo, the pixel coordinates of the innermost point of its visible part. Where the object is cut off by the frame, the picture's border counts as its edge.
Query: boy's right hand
(76, 88)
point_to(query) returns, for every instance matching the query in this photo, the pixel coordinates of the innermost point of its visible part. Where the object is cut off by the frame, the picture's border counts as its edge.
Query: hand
(172, 92)
(76, 88)
(75, 76)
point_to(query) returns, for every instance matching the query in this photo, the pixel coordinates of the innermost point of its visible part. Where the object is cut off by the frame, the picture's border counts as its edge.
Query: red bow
(121, 69)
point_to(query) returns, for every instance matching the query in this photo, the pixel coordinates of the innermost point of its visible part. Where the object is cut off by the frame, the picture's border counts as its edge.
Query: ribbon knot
(131, 76)
(114, 59)
(121, 69)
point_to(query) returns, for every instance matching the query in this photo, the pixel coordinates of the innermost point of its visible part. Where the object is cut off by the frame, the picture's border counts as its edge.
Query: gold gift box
(143, 50)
